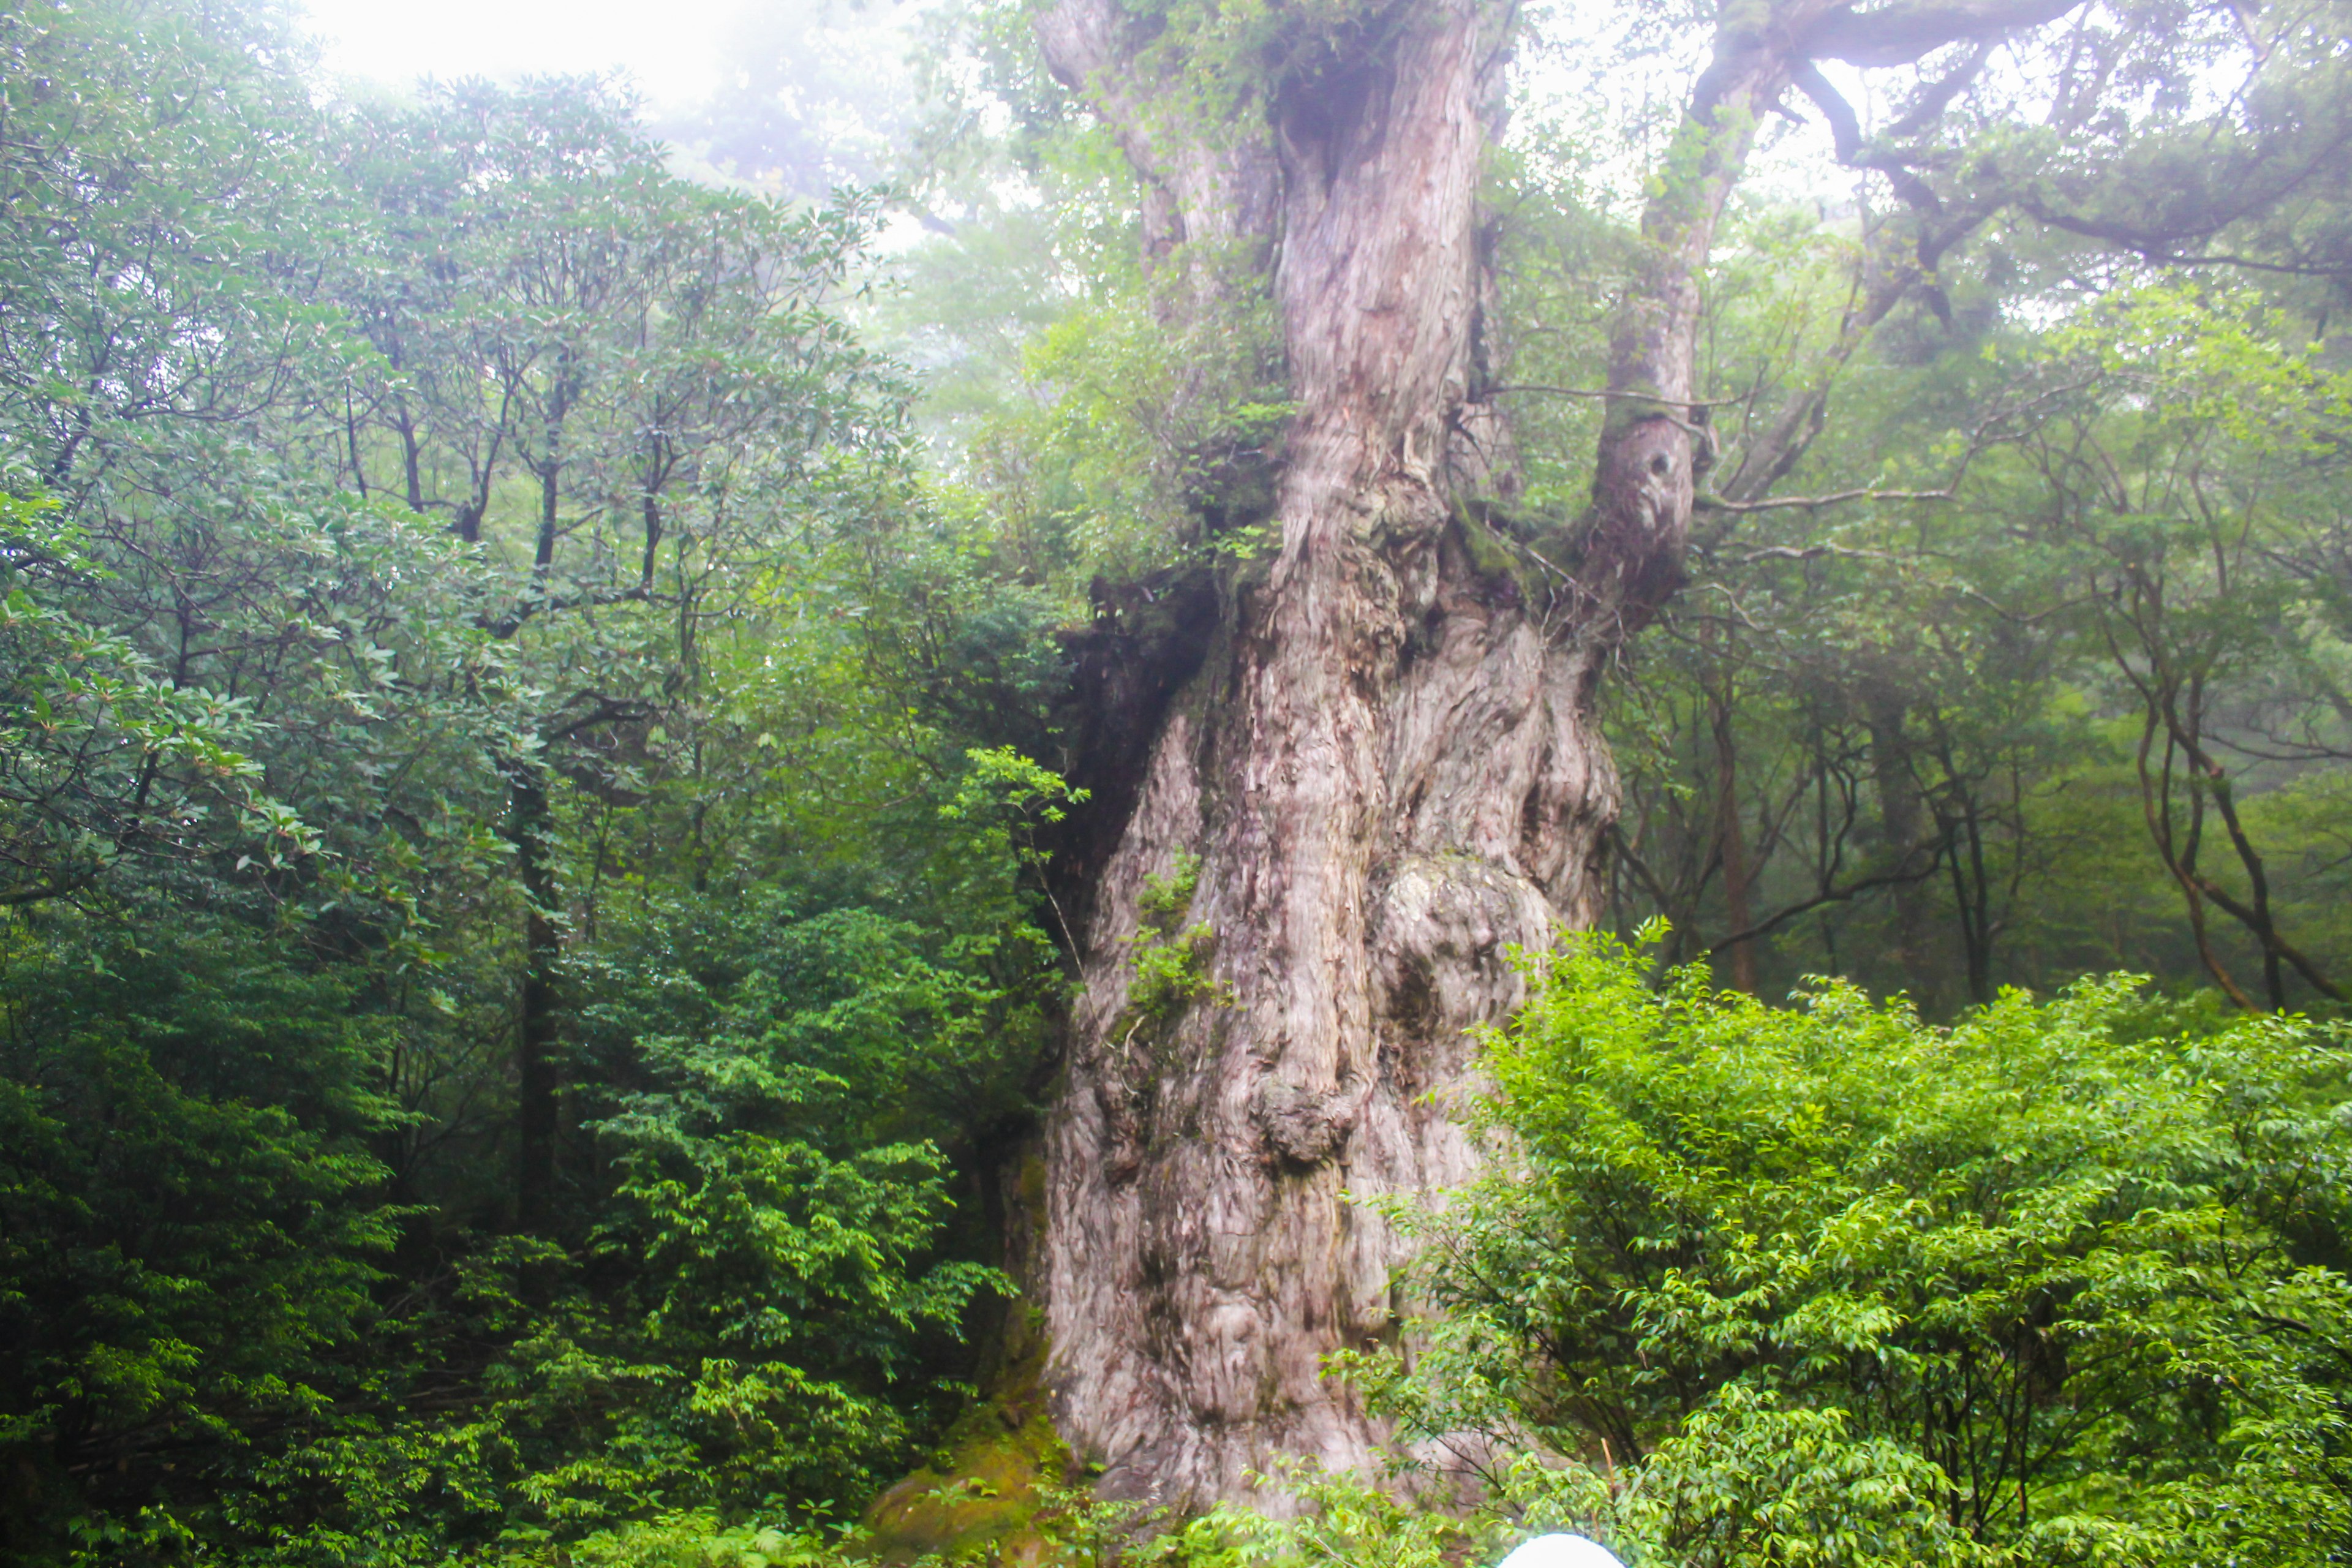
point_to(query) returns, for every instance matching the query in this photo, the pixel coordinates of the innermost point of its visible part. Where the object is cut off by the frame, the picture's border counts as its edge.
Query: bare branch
(1833, 896)
(1627, 396)
(1781, 503)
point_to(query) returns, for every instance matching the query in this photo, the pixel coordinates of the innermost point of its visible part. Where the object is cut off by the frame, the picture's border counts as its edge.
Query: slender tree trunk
(351, 436)
(537, 1082)
(1731, 836)
(530, 829)
(411, 473)
(1963, 832)
(1902, 820)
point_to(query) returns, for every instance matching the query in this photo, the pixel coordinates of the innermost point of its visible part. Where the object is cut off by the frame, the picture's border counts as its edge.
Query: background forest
(534, 737)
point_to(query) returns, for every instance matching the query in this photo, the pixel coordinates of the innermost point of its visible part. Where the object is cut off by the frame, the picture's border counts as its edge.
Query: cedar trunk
(1380, 743)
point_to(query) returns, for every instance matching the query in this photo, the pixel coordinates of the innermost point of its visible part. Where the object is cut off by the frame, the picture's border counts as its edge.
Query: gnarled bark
(1376, 752)
(1385, 768)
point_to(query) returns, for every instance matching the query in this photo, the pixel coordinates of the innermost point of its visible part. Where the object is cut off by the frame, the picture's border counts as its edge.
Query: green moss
(984, 1502)
(1002, 1470)
(1032, 1185)
(1498, 558)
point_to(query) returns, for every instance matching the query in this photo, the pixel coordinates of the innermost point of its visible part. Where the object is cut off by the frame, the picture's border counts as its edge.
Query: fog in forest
(1292, 782)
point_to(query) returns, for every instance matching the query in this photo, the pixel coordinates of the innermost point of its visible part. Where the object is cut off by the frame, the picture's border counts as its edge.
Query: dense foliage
(526, 757)
(515, 924)
(2064, 1282)
(2015, 645)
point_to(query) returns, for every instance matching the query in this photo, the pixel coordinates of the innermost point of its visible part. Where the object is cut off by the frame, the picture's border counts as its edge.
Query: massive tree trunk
(1386, 766)
(1375, 759)
(1385, 770)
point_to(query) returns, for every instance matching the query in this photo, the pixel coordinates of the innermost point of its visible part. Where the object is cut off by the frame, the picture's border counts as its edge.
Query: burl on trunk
(1382, 767)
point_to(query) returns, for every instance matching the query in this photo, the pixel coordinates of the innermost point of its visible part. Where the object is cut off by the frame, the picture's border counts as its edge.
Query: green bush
(2061, 1283)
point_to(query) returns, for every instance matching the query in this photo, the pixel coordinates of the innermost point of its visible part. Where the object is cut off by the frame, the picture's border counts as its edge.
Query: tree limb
(1781, 503)
(1900, 35)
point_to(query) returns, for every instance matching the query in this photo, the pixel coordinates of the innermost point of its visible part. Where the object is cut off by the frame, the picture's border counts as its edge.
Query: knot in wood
(1303, 1126)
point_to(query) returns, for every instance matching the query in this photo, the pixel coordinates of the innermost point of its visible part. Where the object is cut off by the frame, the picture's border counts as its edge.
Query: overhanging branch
(1901, 35)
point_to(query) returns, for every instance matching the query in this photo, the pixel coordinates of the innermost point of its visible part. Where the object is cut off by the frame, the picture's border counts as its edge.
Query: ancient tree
(1363, 766)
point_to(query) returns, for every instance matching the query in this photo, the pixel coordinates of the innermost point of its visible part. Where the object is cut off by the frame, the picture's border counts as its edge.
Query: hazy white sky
(677, 48)
(672, 47)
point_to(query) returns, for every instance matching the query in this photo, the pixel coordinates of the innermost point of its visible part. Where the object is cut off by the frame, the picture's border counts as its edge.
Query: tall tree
(657, 367)
(1377, 763)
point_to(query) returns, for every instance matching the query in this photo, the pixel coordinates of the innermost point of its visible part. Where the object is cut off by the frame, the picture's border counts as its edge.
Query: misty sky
(677, 50)
(671, 46)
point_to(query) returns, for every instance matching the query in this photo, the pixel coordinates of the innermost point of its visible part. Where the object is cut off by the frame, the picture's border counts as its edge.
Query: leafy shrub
(1823, 1284)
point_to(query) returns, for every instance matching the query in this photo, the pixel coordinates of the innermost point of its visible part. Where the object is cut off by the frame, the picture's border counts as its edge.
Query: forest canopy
(574, 710)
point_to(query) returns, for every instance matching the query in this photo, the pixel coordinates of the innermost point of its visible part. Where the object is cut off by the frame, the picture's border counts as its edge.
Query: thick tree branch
(1899, 34)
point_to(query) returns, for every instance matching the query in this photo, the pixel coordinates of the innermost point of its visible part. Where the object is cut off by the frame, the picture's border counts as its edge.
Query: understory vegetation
(533, 752)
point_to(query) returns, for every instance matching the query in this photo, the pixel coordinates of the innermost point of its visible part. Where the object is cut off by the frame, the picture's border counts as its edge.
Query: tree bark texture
(1385, 772)
(1376, 750)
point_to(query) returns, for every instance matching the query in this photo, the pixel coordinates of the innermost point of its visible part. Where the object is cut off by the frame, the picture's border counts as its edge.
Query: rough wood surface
(1379, 746)
(1384, 770)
